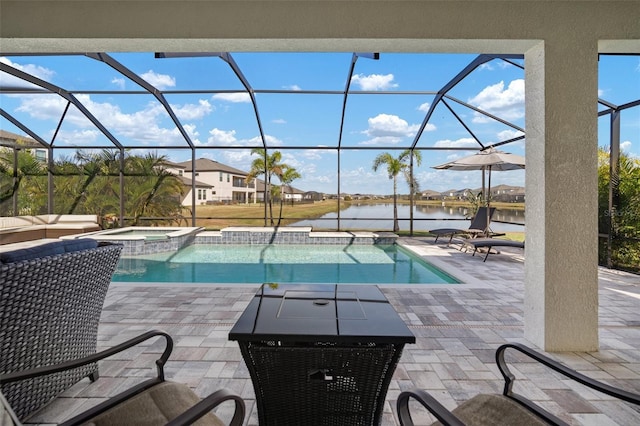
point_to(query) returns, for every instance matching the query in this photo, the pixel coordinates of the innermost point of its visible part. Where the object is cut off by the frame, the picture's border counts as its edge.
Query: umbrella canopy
(487, 160)
(490, 159)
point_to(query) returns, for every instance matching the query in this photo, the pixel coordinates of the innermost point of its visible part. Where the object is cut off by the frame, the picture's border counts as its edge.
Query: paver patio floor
(457, 328)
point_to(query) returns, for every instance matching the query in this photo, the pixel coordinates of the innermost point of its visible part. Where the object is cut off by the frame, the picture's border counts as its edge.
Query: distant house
(430, 195)
(457, 194)
(226, 184)
(292, 194)
(313, 196)
(12, 141)
(507, 194)
(203, 192)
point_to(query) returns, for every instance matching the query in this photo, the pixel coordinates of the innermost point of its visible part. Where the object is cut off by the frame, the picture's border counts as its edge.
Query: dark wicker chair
(50, 305)
(507, 408)
(152, 402)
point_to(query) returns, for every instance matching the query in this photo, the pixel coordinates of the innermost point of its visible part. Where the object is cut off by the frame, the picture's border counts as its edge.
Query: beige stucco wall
(560, 40)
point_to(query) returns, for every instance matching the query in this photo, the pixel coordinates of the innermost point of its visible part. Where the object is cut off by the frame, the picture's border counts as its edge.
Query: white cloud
(193, 111)
(192, 132)
(509, 134)
(142, 126)
(626, 146)
(386, 128)
(322, 179)
(45, 107)
(307, 169)
(77, 137)
(374, 81)
(159, 81)
(458, 143)
(292, 160)
(240, 159)
(294, 87)
(506, 103)
(270, 140)
(241, 97)
(424, 107)
(360, 176)
(279, 121)
(493, 65)
(313, 154)
(120, 82)
(8, 80)
(222, 137)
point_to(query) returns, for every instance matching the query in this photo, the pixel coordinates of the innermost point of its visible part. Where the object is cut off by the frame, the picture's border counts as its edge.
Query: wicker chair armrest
(209, 403)
(68, 365)
(560, 368)
(443, 415)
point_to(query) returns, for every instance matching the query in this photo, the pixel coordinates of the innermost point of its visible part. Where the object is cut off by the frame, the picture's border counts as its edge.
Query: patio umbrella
(487, 160)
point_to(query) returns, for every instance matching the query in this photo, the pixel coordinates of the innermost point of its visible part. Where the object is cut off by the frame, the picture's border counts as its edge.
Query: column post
(561, 272)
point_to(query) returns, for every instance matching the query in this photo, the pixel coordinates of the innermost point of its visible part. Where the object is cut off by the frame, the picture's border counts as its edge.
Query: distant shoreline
(450, 203)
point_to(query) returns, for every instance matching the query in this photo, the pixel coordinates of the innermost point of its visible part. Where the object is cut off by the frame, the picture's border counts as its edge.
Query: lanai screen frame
(441, 97)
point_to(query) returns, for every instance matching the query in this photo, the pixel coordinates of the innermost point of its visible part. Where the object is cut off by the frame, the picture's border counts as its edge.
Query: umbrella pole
(486, 231)
(484, 189)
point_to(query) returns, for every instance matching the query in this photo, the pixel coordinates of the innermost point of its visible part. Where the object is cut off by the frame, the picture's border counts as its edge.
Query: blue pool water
(255, 264)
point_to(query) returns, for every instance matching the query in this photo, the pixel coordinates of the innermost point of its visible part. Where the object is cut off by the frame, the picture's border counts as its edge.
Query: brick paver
(457, 328)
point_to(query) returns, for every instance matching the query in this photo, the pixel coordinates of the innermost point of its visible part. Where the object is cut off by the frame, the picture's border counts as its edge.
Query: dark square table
(320, 354)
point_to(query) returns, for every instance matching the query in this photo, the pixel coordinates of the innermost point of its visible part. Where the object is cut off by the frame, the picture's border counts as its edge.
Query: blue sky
(223, 125)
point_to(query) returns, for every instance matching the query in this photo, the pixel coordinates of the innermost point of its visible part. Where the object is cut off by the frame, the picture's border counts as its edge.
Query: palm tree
(288, 175)
(266, 165)
(394, 167)
(92, 165)
(152, 190)
(622, 223)
(27, 166)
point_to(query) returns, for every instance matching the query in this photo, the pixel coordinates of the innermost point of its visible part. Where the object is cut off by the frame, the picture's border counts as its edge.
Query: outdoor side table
(320, 354)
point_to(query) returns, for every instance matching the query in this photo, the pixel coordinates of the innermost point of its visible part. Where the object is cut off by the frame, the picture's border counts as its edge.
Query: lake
(380, 217)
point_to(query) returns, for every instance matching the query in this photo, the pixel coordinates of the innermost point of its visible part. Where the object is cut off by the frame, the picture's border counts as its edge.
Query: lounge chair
(152, 402)
(478, 227)
(489, 243)
(508, 408)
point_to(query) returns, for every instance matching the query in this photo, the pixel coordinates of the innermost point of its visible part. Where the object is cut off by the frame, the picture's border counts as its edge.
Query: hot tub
(139, 240)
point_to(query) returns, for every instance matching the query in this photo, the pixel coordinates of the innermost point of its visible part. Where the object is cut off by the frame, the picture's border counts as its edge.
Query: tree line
(89, 183)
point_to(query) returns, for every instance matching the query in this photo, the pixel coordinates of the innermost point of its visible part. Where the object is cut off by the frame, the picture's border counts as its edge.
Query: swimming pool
(282, 263)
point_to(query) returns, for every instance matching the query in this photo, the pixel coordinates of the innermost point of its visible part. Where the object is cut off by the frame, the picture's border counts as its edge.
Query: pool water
(280, 263)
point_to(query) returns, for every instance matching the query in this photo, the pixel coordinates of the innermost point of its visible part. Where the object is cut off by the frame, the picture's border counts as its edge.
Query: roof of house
(207, 165)
(187, 182)
(11, 138)
(173, 165)
(291, 190)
